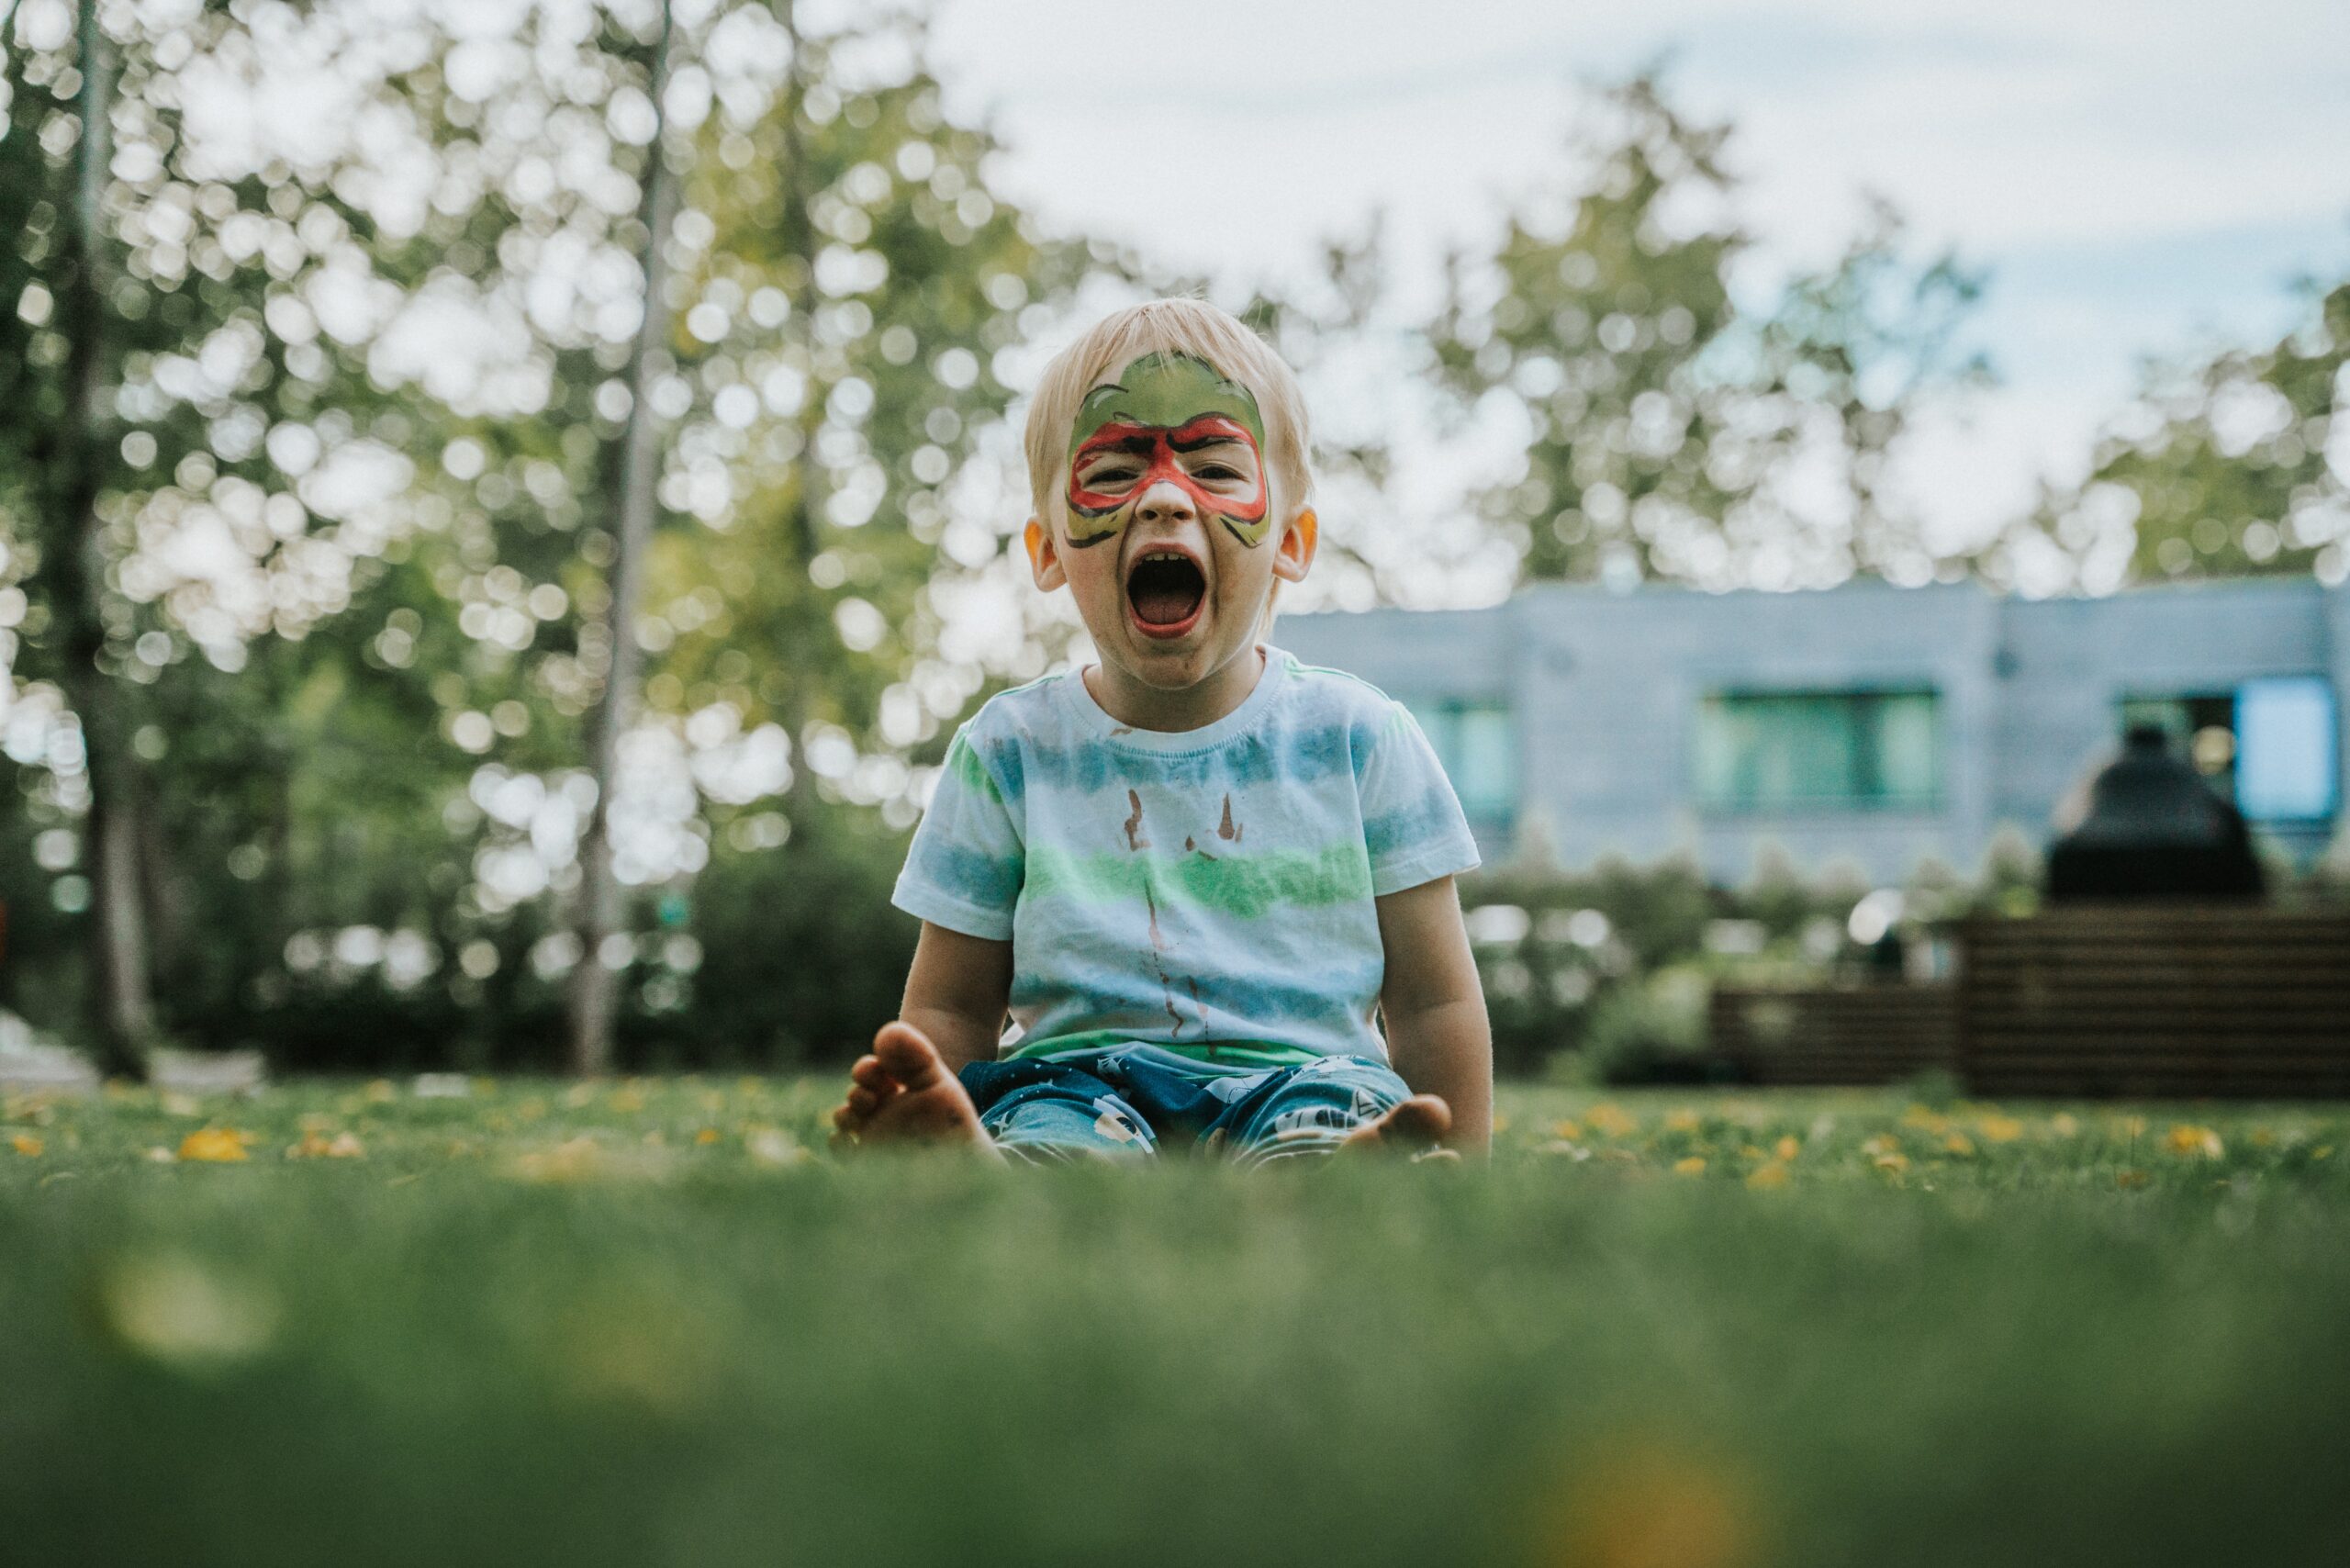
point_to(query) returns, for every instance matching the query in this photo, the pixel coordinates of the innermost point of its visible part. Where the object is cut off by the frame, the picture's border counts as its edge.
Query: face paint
(1165, 418)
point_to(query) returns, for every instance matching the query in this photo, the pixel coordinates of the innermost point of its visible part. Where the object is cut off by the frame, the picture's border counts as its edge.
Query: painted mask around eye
(1146, 426)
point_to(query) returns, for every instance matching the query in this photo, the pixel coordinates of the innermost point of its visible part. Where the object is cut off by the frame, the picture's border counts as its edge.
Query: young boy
(1197, 872)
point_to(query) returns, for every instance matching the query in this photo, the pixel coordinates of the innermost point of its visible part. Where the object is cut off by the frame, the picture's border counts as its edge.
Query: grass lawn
(642, 1323)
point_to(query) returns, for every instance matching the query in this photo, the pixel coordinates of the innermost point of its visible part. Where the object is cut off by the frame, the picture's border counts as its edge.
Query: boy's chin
(1168, 663)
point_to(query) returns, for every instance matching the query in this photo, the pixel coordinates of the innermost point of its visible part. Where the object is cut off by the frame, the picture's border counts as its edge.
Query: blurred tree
(136, 501)
(368, 474)
(634, 458)
(1670, 434)
(2234, 466)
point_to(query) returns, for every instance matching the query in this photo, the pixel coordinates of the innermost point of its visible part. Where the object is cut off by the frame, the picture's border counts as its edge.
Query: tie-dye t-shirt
(1208, 890)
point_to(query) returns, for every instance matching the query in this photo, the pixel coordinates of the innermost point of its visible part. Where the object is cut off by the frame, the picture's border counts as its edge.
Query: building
(1865, 725)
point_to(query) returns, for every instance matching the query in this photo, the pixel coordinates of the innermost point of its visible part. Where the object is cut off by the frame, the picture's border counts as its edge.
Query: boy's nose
(1165, 502)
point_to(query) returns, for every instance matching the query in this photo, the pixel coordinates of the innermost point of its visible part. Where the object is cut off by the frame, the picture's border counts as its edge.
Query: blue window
(2286, 762)
(1777, 751)
(2271, 745)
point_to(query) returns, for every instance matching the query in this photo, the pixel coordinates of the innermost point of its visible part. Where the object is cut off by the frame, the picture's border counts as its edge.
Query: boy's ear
(1043, 560)
(1294, 552)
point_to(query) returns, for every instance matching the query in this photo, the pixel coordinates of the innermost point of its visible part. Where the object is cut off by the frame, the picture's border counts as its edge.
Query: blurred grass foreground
(472, 1321)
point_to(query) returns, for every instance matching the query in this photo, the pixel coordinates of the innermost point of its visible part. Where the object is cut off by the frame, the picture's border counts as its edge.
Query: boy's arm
(956, 993)
(1437, 1033)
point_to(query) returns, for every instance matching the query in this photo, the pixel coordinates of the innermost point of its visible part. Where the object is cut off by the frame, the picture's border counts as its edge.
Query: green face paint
(1172, 416)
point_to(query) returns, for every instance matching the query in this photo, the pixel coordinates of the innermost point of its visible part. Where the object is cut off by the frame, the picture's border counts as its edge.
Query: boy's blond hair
(1184, 326)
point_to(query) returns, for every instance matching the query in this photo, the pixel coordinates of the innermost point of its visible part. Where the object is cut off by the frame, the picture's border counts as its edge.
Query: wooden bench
(1849, 1035)
(2156, 1000)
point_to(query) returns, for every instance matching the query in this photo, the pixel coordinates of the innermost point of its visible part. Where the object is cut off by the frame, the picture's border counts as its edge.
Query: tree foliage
(2233, 466)
(1671, 432)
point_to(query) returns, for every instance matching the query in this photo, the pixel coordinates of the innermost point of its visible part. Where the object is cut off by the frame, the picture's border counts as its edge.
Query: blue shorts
(1129, 1102)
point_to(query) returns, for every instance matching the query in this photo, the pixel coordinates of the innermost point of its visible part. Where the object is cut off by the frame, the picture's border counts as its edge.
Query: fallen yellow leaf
(706, 1136)
(1692, 1165)
(216, 1144)
(1789, 1147)
(1763, 1178)
(1999, 1129)
(1959, 1144)
(26, 1145)
(2191, 1141)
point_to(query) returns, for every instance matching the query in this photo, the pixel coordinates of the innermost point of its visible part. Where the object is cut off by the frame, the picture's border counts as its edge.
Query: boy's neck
(1143, 707)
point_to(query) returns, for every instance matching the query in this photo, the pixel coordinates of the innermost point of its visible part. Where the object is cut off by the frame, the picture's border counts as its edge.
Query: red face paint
(1160, 448)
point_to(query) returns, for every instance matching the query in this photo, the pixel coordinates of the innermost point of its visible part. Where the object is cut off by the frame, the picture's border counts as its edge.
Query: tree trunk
(122, 1018)
(594, 985)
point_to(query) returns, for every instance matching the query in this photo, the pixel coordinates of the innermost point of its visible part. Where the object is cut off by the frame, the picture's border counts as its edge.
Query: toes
(1423, 1116)
(870, 1073)
(907, 1055)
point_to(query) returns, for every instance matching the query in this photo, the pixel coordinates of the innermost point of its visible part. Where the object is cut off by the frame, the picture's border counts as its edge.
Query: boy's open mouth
(1165, 592)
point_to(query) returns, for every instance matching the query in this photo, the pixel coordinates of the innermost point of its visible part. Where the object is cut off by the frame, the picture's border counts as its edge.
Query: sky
(2140, 179)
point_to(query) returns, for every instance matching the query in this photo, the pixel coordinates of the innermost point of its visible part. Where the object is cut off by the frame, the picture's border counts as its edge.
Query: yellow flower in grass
(2193, 1141)
(220, 1145)
(26, 1145)
(1682, 1121)
(1609, 1120)
(1692, 1165)
(1996, 1128)
(315, 1144)
(707, 1136)
(1885, 1152)
(1789, 1147)
(1958, 1144)
(574, 1160)
(1569, 1130)
(1766, 1177)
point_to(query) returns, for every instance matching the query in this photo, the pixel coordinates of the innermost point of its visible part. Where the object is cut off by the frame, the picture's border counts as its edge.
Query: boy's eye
(1216, 471)
(1100, 476)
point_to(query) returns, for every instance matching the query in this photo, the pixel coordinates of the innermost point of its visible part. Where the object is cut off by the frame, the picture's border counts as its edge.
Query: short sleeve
(964, 868)
(1412, 821)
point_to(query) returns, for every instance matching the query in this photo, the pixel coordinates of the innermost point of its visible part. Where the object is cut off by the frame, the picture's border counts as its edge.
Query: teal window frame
(1476, 740)
(1775, 751)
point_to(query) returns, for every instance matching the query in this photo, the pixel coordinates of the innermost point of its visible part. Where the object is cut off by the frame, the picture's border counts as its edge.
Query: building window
(1776, 751)
(1477, 742)
(2269, 745)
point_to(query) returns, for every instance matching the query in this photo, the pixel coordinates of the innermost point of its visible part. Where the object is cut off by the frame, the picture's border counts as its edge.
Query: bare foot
(902, 1092)
(1413, 1127)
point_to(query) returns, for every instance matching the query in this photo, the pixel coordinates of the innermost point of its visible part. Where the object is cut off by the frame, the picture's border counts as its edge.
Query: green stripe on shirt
(1246, 885)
